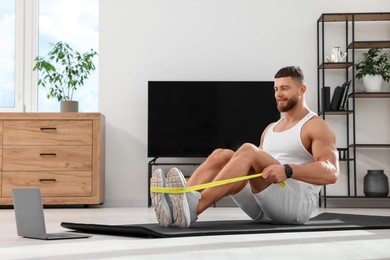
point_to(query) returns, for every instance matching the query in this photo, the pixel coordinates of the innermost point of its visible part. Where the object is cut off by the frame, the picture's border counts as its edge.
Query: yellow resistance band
(206, 185)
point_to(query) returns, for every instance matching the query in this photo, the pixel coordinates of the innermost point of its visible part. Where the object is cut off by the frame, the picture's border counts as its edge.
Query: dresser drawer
(47, 132)
(1, 133)
(1, 149)
(35, 158)
(52, 184)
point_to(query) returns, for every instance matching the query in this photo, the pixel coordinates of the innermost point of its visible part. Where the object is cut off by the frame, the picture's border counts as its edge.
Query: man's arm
(320, 140)
(325, 169)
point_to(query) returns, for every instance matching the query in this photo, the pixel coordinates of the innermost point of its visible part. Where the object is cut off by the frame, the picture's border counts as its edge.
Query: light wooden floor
(371, 244)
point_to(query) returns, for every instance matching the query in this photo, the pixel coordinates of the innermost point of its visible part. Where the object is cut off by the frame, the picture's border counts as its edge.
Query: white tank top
(287, 146)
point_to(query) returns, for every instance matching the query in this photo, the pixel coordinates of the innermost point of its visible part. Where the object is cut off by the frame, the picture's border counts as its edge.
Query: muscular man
(299, 150)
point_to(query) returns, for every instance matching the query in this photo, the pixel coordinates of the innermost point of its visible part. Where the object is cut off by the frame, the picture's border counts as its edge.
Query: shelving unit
(351, 21)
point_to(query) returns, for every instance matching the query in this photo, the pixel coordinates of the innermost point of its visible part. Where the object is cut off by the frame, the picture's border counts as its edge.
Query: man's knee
(247, 148)
(221, 156)
(257, 157)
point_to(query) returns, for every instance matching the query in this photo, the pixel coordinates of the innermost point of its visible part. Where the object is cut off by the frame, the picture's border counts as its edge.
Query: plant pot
(376, 184)
(69, 106)
(372, 83)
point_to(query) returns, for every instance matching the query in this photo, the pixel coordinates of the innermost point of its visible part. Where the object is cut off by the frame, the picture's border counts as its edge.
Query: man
(299, 150)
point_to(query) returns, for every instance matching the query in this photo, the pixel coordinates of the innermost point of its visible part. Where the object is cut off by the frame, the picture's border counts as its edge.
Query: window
(27, 29)
(7, 53)
(74, 22)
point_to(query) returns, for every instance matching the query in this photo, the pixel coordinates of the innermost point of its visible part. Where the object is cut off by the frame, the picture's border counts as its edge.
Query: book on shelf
(326, 98)
(346, 91)
(336, 98)
(340, 97)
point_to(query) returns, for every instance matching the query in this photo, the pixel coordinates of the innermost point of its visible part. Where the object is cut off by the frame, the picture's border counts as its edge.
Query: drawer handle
(47, 180)
(48, 154)
(48, 129)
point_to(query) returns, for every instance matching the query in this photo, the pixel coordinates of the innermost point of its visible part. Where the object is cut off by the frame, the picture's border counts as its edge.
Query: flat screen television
(193, 118)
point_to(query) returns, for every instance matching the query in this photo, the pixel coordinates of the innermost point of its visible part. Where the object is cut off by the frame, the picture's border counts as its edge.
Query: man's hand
(274, 174)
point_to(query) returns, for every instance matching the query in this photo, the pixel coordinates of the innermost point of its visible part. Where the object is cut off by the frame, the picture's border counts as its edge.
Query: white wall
(142, 40)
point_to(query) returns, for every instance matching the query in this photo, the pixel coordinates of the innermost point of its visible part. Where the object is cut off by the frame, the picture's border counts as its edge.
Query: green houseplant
(63, 71)
(374, 68)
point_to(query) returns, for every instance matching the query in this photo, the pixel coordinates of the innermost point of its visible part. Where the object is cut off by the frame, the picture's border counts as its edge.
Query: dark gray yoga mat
(322, 222)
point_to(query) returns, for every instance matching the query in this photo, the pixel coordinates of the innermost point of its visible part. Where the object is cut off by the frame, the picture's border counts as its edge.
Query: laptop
(30, 220)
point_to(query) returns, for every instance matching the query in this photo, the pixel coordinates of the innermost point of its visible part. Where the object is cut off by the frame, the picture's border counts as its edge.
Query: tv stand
(154, 162)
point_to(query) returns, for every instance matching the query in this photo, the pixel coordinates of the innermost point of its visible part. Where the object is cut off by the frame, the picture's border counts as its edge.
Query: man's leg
(184, 205)
(208, 170)
(205, 173)
(248, 159)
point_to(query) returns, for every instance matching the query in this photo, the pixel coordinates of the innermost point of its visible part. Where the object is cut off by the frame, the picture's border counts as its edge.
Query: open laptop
(30, 219)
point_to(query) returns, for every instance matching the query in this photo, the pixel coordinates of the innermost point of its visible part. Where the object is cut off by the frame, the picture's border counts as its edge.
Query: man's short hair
(294, 72)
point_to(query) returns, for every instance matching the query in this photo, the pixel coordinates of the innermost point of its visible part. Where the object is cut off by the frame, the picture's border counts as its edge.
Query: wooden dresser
(61, 153)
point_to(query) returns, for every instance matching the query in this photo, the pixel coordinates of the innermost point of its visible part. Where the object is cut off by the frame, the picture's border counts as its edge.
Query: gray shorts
(292, 204)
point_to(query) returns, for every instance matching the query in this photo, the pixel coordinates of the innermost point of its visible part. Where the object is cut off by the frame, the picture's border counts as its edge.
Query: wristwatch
(288, 170)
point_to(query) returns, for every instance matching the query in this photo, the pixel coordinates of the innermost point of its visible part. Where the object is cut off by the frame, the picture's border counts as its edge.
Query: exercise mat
(322, 222)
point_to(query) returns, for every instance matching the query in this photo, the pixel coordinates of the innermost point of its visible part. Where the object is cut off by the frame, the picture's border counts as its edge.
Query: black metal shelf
(370, 95)
(336, 113)
(352, 197)
(357, 17)
(346, 160)
(349, 21)
(357, 201)
(376, 146)
(369, 44)
(335, 65)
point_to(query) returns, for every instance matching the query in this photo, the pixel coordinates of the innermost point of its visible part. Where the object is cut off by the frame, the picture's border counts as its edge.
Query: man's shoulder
(316, 120)
(316, 125)
(316, 117)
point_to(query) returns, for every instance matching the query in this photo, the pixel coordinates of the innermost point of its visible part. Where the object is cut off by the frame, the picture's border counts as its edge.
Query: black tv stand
(154, 162)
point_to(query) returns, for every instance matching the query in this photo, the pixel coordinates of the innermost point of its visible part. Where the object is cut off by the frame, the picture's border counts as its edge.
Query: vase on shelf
(376, 184)
(69, 106)
(372, 83)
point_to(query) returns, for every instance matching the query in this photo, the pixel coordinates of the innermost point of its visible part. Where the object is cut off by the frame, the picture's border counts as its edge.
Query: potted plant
(374, 68)
(63, 71)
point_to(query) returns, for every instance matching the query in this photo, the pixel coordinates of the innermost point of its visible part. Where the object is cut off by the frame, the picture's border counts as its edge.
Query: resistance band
(206, 185)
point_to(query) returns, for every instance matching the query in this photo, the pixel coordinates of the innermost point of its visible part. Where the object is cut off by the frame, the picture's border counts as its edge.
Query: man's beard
(290, 104)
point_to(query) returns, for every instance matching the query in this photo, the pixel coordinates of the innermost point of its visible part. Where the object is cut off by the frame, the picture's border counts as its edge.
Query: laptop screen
(30, 220)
